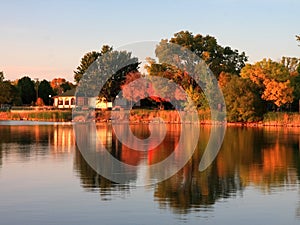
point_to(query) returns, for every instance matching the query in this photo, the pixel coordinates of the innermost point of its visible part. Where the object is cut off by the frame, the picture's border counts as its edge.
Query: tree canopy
(60, 85)
(243, 103)
(217, 57)
(108, 72)
(8, 93)
(45, 90)
(249, 89)
(272, 81)
(27, 90)
(87, 60)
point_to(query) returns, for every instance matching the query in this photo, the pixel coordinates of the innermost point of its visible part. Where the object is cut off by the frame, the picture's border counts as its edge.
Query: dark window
(72, 101)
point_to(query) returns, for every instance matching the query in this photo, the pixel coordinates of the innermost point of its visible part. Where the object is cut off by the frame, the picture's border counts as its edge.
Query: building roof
(68, 93)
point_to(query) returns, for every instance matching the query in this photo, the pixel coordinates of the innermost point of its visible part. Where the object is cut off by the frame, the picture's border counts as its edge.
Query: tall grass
(282, 118)
(55, 116)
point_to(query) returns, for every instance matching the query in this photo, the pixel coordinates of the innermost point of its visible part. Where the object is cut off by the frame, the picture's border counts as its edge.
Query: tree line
(250, 89)
(29, 92)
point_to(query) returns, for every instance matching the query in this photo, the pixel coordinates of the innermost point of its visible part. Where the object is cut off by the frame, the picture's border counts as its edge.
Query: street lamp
(49, 99)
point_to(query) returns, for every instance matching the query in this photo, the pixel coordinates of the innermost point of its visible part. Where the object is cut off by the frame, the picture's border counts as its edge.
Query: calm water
(45, 180)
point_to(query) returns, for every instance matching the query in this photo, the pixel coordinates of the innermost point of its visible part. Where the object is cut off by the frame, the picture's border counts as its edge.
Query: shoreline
(279, 119)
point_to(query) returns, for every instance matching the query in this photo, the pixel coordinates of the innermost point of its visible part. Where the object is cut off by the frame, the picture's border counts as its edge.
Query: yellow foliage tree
(280, 93)
(272, 79)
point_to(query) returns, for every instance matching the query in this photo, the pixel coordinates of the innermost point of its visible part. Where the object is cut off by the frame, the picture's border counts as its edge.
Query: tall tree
(292, 64)
(179, 77)
(116, 64)
(243, 103)
(206, 47)
(45, 90)
(295, 83)
(27, 90)
(87, 60)
(8, 93)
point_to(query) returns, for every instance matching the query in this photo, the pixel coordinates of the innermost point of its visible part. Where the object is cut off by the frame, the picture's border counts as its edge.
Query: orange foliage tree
(272, 79)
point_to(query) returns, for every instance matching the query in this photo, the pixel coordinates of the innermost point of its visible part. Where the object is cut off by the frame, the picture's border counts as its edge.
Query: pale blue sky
(46, 39)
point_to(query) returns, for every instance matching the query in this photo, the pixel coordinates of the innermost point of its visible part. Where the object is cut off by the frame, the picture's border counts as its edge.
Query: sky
(46, 39)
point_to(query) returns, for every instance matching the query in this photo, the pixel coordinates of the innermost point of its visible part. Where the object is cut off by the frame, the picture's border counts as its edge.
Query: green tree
(116, 65)
(5, 92)
(295, 83)
(218, 58)
(8, 93)
(292, 64)
(44, 91)
(243, 103)
(66, 86)
(87, 60)
(27, 90)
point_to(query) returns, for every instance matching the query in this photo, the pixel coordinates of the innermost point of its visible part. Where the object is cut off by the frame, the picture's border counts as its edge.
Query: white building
(66, 100)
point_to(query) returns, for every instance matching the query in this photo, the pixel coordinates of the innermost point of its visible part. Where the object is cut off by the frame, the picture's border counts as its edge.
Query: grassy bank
(281, 119)
(55, 115)
(145, 116)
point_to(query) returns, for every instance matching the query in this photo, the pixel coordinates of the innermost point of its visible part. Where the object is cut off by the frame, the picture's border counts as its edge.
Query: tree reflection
(263, 158)
(92, 181)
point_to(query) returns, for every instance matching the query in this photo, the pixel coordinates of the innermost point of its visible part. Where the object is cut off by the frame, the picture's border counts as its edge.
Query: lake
(44, 178)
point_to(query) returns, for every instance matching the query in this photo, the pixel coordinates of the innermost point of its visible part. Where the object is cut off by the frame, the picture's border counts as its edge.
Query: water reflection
(92, 181)
(264, 158)
(191, 189)
(28, 140)
(1, 155)
(267, 159)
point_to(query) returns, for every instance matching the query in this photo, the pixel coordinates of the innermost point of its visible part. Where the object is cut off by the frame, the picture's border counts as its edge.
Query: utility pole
(37, 87)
